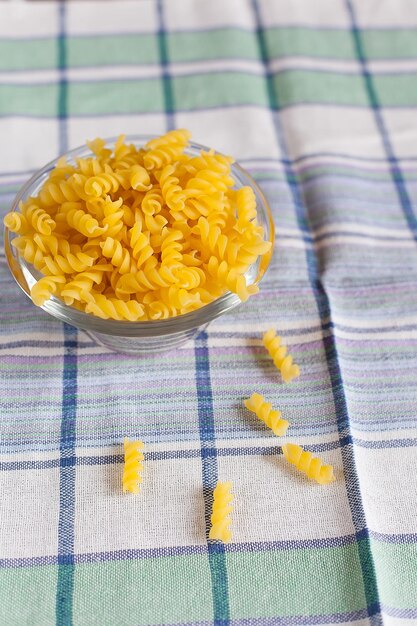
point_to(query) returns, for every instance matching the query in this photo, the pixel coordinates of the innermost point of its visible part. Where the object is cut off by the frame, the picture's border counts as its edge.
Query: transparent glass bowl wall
(141, 338)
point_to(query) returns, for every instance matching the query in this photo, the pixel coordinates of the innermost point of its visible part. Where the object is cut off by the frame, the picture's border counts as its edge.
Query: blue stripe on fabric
(329, 344)
(396, 173)
(164, 62)
(65, 582)
(112, 459)
(255, 546)
(65, 579)
(216, 550)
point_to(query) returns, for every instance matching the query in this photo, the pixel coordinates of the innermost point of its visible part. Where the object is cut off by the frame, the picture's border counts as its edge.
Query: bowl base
(145, 347)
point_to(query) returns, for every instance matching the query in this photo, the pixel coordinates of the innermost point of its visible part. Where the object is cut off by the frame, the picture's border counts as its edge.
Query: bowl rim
(21, 270)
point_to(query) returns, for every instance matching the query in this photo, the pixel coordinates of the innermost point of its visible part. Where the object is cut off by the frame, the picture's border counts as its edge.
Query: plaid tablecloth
(318, 101)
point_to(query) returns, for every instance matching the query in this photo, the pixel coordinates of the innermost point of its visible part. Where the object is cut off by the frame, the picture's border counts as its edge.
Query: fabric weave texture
(317, 100)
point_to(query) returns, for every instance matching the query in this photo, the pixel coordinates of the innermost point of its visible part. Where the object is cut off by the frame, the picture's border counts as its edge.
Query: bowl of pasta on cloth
(140, 241)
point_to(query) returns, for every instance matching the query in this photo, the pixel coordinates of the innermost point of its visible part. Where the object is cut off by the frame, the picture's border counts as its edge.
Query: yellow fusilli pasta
(16, 223)
(133, 466)
(141, 233)
(305, 462)
(220, 517)
(272, 418)
(44, 288)
(278, 352)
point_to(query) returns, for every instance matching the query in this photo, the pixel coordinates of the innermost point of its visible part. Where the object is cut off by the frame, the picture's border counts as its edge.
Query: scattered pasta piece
(257, 404)
(305, 462)
(282, 360)
(140, 233)
(133, 465)
(220, 518)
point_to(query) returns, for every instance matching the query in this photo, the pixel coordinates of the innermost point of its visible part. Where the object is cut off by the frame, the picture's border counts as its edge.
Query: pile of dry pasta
(140, 233)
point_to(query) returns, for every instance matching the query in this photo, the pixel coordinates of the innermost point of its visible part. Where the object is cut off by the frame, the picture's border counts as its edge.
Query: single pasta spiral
(220, 517)
(101, 184)
(139, 178)
(76, 261)
(45, 288)
(115, 309)
(152, 201)
(180, 298)
(139, 242)
(189, 277)
(90, 167)
(155, 223)
(160, 157)
(229, 278)
(84, 223)
(53, 193)
(206, 183)
(210, 160)
(16, 223)
(150, 278)
(172, 193)
(80, 288)
(305, 462)
(171, 248)
(179, 136)
(133, 466)
(113, 216)
(158, 310)
(29, 250)
(257, 404)
(278, 352)
(212, 237)
(52, 244)
(246, 207)
(40, 219)
(118, 256)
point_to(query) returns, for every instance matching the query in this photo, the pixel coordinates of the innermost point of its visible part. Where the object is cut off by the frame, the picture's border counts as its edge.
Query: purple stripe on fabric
(298, 159)
(292, 620)
(403, 613)
(222, 107)
(7, 466)
(399, 538)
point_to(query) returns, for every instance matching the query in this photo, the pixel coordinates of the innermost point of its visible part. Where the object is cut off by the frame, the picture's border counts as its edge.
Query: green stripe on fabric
(396, 570)
(27, 54)
(27, 596)
(203, 91)
(164, 590)
(304, 86)
(221, 43)
(112, 50)
(220, 89)
(317, 42)
(112, 97)
(287, 582)
(28, 100)
(226, 43)
(390, 44)
(338, 44)
(396, 90)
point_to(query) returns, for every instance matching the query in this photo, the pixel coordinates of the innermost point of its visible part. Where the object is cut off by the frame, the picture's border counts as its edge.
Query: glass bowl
(149, 337)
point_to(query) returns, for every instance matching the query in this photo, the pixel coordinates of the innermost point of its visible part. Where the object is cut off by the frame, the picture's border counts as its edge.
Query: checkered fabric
(318, 101)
